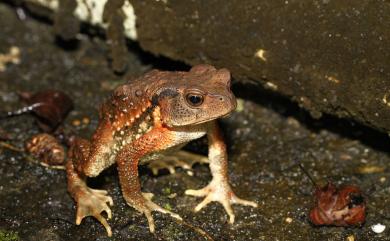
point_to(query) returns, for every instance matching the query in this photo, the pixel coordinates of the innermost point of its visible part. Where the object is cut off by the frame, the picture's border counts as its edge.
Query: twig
(10, 147)
(21, 111)
(307, 174)
(55, 167)
(203, 233)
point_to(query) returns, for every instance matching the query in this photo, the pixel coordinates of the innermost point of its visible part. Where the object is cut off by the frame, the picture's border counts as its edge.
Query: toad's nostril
(221, 98)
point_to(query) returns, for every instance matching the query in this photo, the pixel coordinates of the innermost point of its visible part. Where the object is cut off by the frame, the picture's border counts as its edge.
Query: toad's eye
(194, 99)
(356, 199)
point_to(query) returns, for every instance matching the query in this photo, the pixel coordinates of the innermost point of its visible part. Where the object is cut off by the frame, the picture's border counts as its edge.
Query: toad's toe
(182, 159)
(221, 192)
(147, 206)
(92, 202)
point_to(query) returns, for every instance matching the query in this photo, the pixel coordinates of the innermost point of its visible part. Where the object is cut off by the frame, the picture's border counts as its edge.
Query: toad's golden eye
(194, 99)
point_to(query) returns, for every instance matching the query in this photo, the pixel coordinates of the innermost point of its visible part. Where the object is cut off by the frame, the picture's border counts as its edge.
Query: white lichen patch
(91, 11)
(52, 4)
(260, 53)
(13, 56)
(129, 23)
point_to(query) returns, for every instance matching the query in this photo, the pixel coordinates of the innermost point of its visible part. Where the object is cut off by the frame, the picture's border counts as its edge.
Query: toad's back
(123, 117)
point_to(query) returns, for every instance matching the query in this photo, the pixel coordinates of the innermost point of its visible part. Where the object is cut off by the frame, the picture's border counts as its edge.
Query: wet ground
(267, 136)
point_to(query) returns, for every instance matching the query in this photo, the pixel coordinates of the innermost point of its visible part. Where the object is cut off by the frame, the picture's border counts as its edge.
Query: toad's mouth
(211, 119)
(226, 115)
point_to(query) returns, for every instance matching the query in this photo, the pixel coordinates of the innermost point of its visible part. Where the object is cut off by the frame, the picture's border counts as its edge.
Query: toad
(145, 121)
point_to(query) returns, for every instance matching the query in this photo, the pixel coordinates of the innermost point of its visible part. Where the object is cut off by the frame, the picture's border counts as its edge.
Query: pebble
(288, 220)
(378, 228)
(76, 122)
(351, 238)
(240, 105)
(85, 120)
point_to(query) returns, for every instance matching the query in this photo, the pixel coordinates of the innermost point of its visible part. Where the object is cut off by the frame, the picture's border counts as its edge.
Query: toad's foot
(219, 191)
(147, 206)
(181, 159)
(92, 202)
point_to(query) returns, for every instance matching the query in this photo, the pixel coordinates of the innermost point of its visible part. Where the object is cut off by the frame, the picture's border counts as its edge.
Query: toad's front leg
(218, 189)
(90, 202)
(128, 158)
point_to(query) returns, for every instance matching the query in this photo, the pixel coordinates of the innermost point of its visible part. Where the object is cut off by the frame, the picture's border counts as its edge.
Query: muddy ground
(266, 137)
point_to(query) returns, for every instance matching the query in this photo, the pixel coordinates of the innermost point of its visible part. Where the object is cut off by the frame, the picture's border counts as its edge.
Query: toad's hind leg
(90, 202)
(181, 158)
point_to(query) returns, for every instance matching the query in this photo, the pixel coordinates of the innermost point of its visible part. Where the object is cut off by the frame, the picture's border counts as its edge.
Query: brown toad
(145, 120)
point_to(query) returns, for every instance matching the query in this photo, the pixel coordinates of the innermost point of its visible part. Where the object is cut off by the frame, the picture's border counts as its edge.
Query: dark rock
(329, 56)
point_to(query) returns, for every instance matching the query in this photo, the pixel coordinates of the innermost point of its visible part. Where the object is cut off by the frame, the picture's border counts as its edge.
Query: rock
(328, 56)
